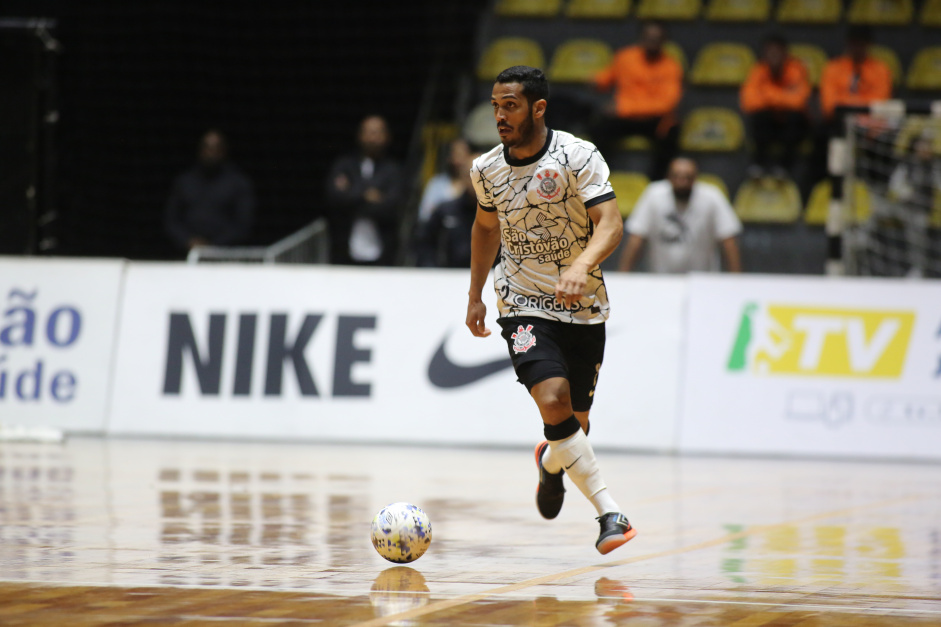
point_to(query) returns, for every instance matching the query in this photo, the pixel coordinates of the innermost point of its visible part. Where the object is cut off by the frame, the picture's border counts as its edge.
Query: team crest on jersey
(548, 187)
(523, 339)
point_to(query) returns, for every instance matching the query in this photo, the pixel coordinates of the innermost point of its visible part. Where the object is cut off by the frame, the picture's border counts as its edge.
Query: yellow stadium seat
(712, 129)
(598, 9)
(714, 180)
(768, 200)
(738, 10)
(813, 57)
(506, 52)
(809, 11)
(888, 56)
(672, 49)
(722, 64)
(668, 9)
(579, 60)
(925, 71)
(880, 12)
(628, 186)
(818, 206)
(931, 13)
(636, 143)
(528, 8)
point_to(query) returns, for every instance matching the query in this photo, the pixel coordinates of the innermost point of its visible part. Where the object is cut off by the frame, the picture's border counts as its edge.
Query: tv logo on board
(777, 339)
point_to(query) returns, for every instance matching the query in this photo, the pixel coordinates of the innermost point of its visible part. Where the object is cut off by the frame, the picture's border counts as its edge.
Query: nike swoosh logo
(573, 463)
(444, 373)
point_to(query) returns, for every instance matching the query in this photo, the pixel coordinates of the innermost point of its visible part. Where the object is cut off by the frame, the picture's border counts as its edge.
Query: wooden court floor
(138, 532)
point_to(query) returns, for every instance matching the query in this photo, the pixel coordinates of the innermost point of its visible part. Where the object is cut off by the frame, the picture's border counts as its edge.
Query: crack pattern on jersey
(544, 225)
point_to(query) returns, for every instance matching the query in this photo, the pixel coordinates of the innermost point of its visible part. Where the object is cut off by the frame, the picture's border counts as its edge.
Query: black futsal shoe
(615, 531)
(550, 493)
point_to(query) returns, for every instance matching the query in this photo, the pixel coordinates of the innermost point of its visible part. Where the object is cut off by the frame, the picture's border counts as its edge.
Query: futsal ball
(401, 532)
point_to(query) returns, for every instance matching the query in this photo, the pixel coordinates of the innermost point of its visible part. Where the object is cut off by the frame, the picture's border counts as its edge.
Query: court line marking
(447, 604)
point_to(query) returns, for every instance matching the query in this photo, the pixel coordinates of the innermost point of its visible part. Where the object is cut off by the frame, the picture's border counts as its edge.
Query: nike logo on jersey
(444, 373)
(573, 463)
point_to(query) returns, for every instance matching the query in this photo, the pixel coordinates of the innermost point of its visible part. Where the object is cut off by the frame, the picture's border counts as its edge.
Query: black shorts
(542, 349)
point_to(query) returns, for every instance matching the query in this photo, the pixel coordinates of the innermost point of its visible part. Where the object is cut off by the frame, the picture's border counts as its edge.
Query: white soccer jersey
(542, 203)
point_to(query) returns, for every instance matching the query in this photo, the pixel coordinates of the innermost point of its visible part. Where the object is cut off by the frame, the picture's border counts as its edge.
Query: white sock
(549, 463)
(575, 455)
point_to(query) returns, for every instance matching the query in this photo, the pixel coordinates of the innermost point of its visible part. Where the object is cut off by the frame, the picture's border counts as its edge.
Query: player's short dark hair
(535, 85)
(860, 34)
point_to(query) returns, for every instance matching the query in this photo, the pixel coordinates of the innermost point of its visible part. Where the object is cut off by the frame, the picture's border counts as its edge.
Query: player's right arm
(485, 242)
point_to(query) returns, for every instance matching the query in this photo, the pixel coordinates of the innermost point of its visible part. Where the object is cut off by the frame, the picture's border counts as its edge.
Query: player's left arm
(604, 241)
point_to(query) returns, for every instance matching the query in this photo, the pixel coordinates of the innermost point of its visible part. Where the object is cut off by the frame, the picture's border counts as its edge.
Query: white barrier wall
(749, 364)
(812, 365)
(57, 322)
(353, 354)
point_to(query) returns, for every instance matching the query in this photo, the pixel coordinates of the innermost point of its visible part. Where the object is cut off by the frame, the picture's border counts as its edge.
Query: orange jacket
(761, 91)
(843, 84)
(642, 89)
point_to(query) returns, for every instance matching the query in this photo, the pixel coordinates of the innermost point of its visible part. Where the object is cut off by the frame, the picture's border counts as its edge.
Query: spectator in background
(682, 221)
(855, 79)
(446, 185)
(914, 185)
(213, 202)
(444, 240)
(364, 193)
(647, 89)
(774, 96)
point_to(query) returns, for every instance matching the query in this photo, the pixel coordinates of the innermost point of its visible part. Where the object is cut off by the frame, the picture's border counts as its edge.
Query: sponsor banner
(813, 365)
(372, 355)
(57, 333)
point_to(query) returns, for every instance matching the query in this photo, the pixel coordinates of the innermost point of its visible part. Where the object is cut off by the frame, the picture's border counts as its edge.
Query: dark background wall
(286, 80)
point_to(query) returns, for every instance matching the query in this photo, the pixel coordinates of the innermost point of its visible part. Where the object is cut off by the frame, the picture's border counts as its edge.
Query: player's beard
(525, 131)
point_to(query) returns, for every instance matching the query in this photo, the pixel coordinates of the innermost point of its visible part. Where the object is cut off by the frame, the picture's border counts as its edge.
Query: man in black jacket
(364, 192)
(213, 202)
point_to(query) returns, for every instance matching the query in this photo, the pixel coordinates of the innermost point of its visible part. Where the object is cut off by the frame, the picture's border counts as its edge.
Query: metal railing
(310, 244)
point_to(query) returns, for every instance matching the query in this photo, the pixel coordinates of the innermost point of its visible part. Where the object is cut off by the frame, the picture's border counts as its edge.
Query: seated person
(446, 185)
(647, 89)
(774, 97)
(444, 240)
(854, 79)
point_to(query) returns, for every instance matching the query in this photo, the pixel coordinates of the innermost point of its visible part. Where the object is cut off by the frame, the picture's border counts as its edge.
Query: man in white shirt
(682, 221)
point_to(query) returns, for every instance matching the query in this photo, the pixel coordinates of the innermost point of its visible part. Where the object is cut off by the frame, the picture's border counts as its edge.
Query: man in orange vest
(648, 85)
(774, 96)
(855, 78)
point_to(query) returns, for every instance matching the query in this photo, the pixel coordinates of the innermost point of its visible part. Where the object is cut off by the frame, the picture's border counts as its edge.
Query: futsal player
(545, 204)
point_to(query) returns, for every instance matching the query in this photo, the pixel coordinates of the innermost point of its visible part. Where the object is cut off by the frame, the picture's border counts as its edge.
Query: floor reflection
(396, 590)
(719, 539)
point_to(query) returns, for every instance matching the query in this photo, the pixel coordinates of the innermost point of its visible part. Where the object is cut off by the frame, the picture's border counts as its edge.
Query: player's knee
(553, 397)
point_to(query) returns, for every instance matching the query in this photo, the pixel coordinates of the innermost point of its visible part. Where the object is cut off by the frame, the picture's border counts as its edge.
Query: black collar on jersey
(528, 160)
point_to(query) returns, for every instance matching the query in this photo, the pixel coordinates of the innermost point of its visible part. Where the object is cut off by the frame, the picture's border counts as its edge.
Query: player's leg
(537, 358)
(584, 355)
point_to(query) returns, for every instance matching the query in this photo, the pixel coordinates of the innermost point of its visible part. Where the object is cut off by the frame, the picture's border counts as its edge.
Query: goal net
(892, 196)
